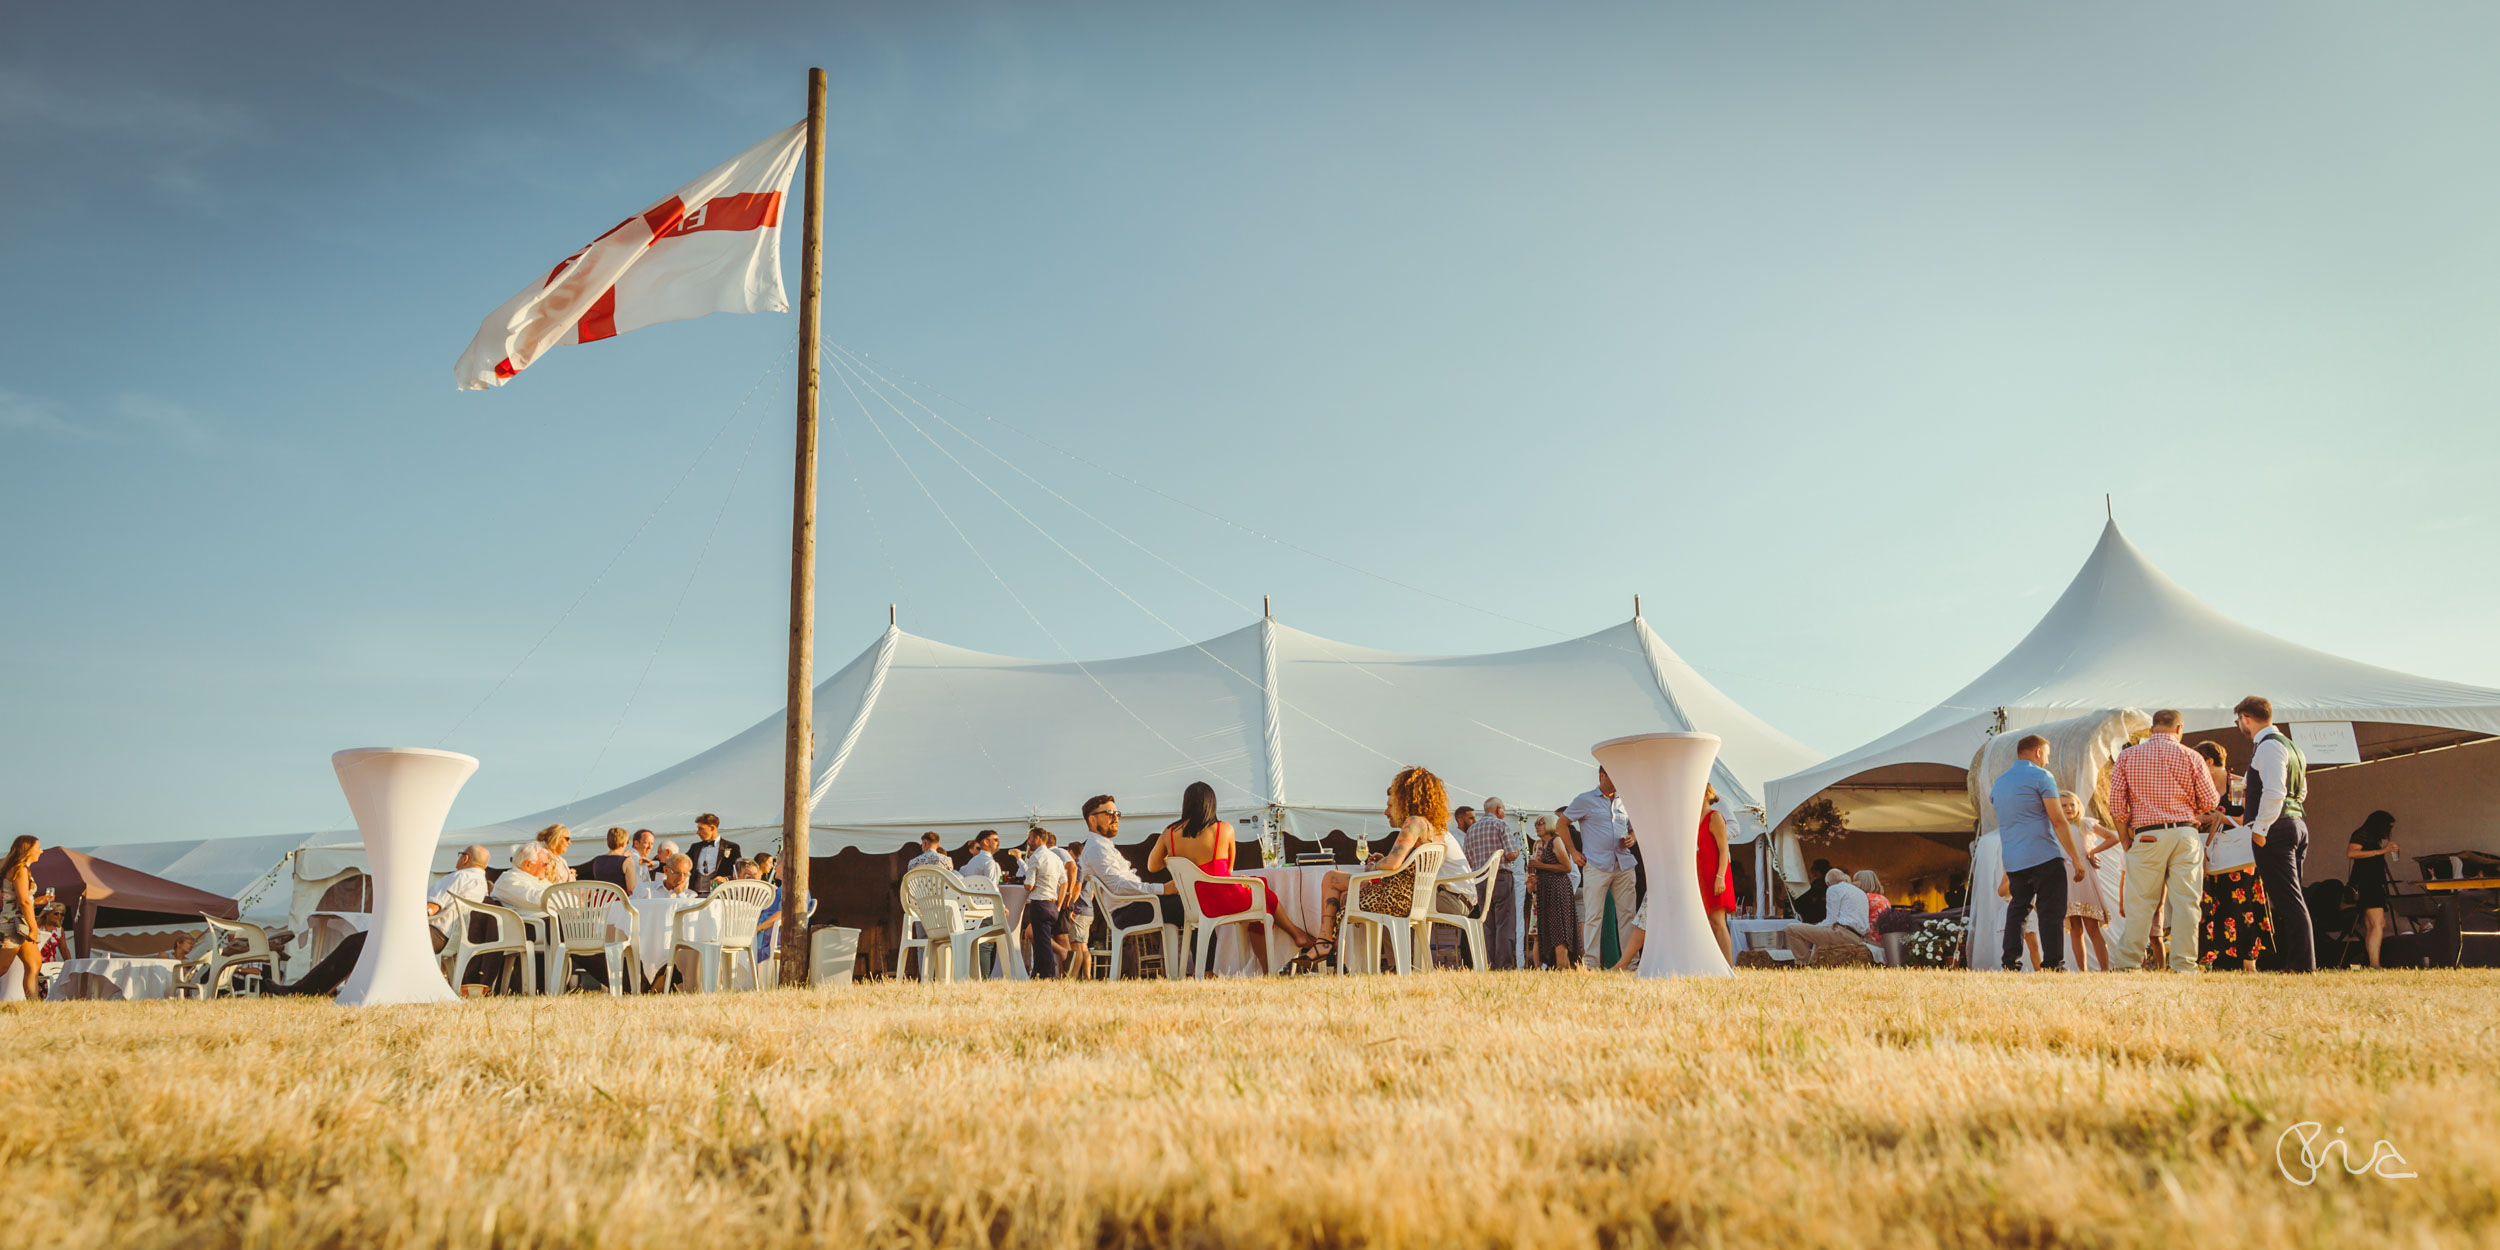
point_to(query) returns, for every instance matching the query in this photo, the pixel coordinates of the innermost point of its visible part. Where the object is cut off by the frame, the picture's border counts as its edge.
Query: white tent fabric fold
(1285, 724)
(2125, 635)
(252, 866)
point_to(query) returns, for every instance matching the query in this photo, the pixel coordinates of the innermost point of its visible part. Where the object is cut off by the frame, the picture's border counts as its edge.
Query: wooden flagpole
(799, 747)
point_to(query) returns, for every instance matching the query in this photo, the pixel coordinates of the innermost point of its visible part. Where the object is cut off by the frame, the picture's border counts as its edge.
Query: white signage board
(2326, 742)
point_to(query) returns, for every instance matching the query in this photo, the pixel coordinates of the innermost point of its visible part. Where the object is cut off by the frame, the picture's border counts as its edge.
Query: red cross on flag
(714, 246)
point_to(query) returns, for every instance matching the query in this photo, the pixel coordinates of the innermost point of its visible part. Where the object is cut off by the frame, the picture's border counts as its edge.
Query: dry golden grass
(1801, 1109)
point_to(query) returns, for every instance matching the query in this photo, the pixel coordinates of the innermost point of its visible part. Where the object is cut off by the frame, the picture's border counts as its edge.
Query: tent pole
(81, 918)
(799, 745)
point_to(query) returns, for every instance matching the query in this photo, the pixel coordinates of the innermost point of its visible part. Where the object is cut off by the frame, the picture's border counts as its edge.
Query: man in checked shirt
(2157, 790)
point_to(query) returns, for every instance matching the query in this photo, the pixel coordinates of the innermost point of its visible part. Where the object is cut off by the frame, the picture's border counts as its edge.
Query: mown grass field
(1840, 1108)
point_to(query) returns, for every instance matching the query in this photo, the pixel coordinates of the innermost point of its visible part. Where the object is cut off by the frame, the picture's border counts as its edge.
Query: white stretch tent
(1289, 727)
(2125, 635)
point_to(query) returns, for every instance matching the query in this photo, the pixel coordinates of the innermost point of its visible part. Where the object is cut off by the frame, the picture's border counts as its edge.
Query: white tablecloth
(653, 924)
(1297, 888)
(114, 976)
(1757, 935)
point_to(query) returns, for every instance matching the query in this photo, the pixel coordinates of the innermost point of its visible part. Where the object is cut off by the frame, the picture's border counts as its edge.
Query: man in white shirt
(983, 866)
(466, 880)
(523, 887)
(1076, 915)
(2278, 786)
(1046, 877)
(1844, 919)
(1606, 843)
(1103, 862)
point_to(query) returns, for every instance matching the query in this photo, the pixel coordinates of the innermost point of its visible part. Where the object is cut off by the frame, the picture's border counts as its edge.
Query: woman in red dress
(1202, 839)
(1718, 876)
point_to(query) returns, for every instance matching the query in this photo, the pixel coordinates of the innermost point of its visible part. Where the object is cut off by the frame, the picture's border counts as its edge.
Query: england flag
(714, 246)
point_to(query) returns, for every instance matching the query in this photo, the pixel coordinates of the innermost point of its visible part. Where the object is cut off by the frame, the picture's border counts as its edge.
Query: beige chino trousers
(2165, 873)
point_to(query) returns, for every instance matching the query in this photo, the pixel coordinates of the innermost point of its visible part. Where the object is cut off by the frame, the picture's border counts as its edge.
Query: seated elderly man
(466, 880)
(1844, 919)
(533, 870)
(676, 881)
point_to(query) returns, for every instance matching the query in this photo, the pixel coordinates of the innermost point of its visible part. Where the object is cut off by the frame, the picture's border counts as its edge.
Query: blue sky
(1824, 328)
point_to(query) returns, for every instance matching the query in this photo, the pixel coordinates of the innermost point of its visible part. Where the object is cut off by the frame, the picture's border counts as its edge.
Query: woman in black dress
(2373, 844)
(1557, 904)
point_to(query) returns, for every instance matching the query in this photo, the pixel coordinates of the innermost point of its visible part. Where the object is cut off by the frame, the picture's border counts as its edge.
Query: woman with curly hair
(1419, 809)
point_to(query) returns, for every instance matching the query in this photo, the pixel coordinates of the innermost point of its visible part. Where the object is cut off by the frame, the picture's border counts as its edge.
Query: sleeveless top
(1394, 894)
(1213, 900)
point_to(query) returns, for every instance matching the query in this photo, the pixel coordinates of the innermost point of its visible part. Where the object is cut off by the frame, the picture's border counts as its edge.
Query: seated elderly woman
(1419, 809)
(557, 839)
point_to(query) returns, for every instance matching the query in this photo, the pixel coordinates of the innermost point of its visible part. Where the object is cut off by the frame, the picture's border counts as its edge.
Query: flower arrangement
(1820, 821)
(1935, 944)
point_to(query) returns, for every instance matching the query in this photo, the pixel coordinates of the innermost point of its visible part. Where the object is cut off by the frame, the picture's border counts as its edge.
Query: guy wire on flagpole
(799, 744)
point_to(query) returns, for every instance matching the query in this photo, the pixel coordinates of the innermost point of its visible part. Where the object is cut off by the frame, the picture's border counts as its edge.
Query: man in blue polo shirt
(2039, 850)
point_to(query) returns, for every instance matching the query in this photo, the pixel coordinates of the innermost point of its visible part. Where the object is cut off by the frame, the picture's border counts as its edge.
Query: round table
(652, 920)
(114, 976)
(1747, 934)
(1297, 888)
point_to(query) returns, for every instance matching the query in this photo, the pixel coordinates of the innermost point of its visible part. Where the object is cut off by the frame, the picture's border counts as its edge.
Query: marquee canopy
(2125, 635)
(920, 735)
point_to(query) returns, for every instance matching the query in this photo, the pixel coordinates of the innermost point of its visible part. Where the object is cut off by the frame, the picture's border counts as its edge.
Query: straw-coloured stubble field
(1859, 1108)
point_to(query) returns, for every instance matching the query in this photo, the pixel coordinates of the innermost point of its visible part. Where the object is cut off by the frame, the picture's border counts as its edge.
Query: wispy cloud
(177, 141)
(129, 418)
(22, 414)
(153, 418)
(27, 99)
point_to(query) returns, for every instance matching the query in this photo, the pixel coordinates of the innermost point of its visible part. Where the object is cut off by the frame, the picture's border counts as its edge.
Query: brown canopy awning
(107, 884)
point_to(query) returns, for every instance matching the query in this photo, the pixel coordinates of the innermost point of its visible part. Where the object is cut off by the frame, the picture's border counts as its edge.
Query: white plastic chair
(1107, 906)
(512, 937)
(732, 908)
(1199, 930)
(217, 967)
(952, 917)
(988, 896)
(1403, 931)
(578, 924)
(1469, 923)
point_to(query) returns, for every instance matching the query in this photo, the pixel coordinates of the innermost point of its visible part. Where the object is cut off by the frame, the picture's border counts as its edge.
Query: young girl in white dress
(2087, 901)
